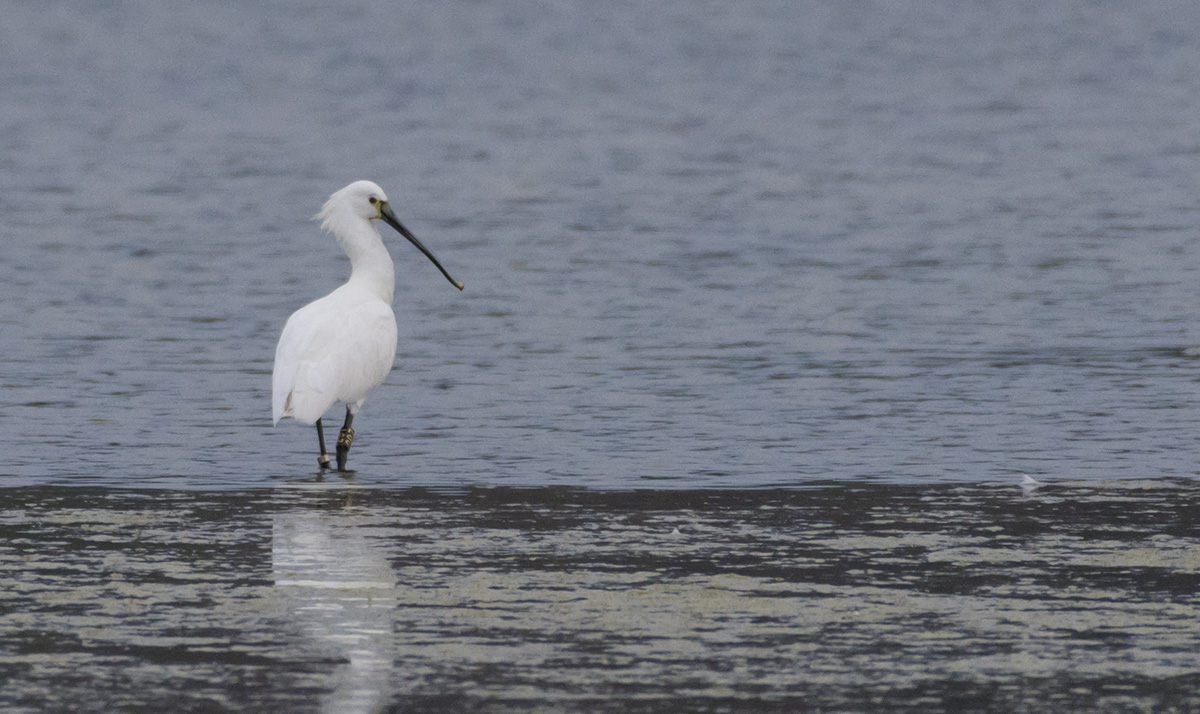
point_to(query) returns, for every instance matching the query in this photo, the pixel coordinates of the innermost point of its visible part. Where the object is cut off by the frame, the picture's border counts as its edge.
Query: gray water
(729, 249)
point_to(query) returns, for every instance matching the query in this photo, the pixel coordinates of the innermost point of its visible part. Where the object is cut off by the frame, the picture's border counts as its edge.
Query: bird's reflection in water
(342, 592)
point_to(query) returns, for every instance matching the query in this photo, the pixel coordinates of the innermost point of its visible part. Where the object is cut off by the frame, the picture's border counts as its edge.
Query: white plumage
(338, 347)
(332, 350)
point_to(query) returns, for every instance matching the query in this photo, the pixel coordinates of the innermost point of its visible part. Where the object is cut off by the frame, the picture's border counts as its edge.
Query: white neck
(370, 264)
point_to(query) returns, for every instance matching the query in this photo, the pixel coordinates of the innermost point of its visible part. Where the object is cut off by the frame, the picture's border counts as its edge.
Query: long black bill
(385, 212)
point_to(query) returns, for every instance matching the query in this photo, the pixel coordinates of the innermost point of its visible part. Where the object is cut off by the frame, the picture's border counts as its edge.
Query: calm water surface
(703, 246)
(715, 255)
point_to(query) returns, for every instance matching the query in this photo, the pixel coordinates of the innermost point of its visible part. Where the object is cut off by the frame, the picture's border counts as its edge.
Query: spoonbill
(336, 348)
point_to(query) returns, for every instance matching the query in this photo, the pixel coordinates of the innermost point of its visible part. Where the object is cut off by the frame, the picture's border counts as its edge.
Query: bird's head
(366, 200)
(362, 198)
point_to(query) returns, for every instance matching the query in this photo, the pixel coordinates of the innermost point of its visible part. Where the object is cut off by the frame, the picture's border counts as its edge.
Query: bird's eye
(373, 200)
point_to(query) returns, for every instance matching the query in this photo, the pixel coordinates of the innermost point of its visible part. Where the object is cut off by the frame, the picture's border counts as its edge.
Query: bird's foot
(345, 439)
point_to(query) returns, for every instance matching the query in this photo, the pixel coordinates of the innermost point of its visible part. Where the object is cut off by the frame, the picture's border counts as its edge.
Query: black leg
(345, 439)
(323, 459)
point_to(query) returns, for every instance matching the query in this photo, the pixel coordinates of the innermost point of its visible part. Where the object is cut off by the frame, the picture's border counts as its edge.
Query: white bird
(336, 348)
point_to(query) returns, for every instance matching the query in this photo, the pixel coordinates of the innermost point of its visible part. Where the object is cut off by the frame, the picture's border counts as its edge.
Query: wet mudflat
(324, 596)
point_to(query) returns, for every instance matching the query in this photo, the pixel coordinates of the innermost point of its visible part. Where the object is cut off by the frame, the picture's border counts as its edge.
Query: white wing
(332, 350)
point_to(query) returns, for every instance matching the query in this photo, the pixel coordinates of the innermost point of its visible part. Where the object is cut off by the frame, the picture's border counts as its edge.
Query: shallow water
(811, 285)
(703, 246)
(329, 597)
